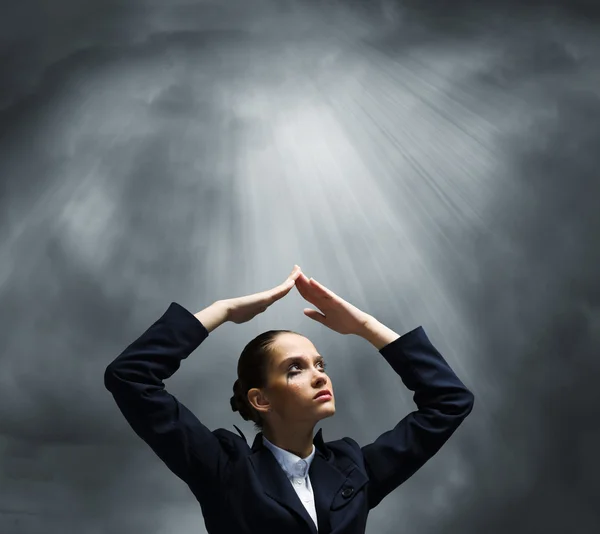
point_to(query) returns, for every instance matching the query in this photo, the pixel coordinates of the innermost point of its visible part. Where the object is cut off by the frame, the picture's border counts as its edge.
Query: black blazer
(243, 489)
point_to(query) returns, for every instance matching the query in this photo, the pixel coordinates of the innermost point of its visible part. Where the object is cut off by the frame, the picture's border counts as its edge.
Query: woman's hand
(243, 309)
(337, 314)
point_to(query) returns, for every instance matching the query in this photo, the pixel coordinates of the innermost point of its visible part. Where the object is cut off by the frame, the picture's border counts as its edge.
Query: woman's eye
(290, 370)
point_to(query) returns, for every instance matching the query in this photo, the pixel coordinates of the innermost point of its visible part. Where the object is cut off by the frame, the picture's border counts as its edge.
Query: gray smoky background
(434, 163)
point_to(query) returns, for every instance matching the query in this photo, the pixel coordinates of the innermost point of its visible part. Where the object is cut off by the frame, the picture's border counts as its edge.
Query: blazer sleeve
(442, 402)
(135, 379)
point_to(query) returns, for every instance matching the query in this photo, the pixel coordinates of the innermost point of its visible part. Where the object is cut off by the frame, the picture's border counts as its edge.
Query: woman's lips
(324, 397)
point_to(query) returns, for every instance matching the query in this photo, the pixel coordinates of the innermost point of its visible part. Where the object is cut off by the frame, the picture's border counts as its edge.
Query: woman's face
(296, 375)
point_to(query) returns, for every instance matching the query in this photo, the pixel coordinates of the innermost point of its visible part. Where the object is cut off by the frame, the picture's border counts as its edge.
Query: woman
(288, 482)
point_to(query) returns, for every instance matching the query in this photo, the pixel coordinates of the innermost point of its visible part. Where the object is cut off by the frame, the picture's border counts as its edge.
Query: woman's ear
(258, 400)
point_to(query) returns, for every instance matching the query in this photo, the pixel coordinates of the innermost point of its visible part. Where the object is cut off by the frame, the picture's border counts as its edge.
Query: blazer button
(347, 492)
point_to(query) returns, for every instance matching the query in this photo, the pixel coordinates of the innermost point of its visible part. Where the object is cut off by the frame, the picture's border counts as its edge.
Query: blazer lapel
(275, 482)
(334, 480)
(326, 481)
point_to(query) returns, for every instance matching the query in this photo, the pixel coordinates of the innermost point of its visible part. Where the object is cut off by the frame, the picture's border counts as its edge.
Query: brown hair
(253, 370)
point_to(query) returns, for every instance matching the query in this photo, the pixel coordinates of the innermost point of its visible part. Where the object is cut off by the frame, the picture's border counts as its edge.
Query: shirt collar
(318, 442)
(293, 465)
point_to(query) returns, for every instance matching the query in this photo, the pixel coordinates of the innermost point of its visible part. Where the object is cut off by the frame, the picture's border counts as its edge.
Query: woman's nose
(320, 379)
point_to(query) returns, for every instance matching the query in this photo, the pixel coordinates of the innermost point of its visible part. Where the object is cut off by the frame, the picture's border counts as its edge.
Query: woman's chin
(325, 413)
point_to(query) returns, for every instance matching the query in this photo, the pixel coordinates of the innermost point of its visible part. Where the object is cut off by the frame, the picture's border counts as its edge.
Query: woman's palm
(243, 309)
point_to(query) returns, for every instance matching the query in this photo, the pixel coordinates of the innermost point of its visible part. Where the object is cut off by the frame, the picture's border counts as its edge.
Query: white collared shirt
(296, 470)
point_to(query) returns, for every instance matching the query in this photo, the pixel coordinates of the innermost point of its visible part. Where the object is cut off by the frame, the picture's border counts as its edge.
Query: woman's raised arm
(442, 400)
(135, 379)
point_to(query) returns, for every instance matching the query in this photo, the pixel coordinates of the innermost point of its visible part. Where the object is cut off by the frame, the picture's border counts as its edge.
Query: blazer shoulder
(233, 444)
(352, 449)
(345, 446)
(346, 451)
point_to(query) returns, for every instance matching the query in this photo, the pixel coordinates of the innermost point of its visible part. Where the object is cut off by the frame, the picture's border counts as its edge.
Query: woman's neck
(295, 440)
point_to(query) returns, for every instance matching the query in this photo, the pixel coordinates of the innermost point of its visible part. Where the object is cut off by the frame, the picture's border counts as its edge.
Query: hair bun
(234, 398)
(234, 404)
